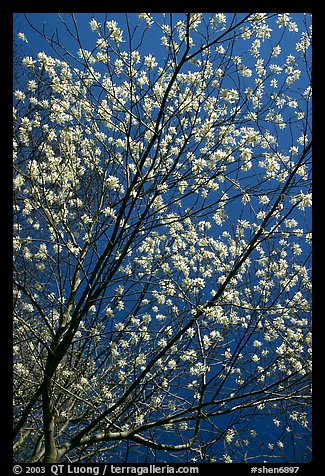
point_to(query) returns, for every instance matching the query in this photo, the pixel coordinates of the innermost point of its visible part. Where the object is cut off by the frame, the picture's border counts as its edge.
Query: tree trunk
(50, 455)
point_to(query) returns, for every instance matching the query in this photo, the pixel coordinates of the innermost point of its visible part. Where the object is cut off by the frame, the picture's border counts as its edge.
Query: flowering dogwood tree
(162, 241)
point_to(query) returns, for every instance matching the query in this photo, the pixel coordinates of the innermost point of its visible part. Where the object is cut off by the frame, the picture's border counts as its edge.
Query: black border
(6, 31)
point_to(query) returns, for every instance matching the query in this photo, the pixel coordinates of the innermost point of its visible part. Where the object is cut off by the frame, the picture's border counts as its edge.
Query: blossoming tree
(162, 241)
